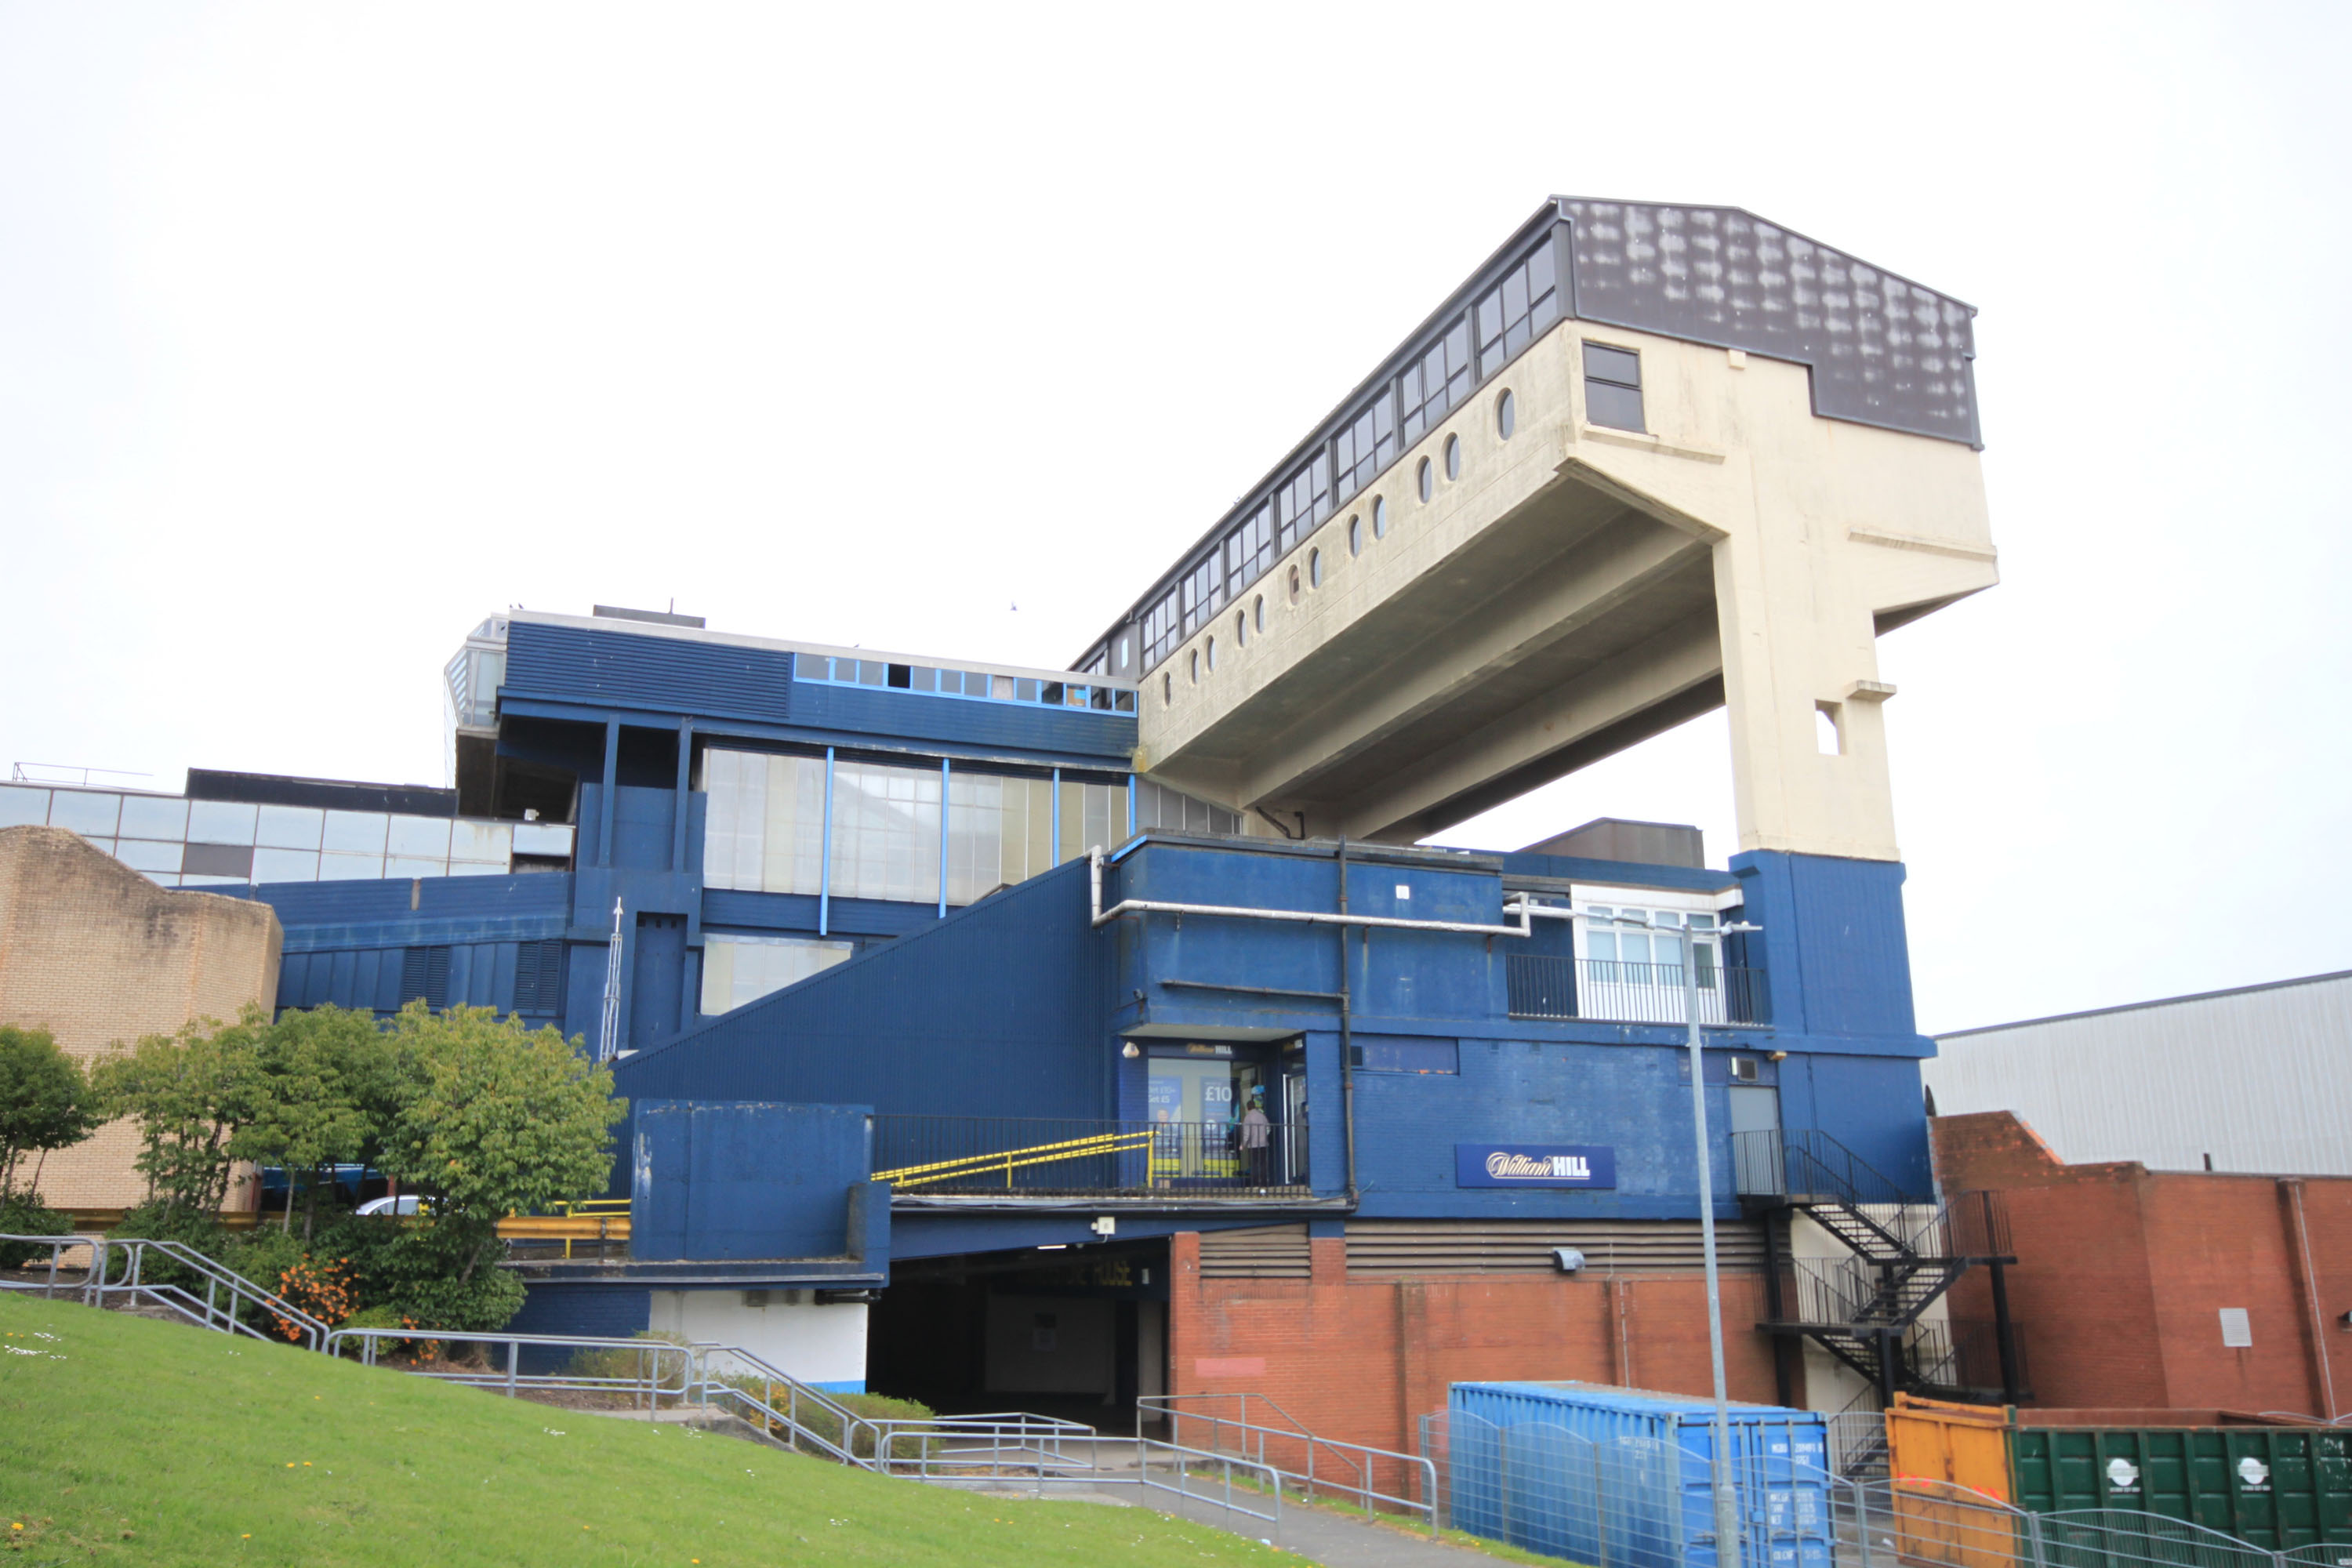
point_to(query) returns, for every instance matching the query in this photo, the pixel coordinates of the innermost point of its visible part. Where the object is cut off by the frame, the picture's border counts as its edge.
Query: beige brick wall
(97, 955)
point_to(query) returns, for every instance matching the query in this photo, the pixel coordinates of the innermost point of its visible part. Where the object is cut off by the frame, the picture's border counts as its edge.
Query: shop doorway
(1201, 1098)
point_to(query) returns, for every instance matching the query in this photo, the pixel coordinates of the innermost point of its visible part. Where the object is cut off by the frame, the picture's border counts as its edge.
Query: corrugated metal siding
(513, 978)
(1017, 726)
(1523, 1247)
(2259, 1079)
(671, 675)
(1260, 1252)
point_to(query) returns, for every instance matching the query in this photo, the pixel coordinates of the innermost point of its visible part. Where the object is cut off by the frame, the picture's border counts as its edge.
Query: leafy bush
(628, 1365)
(24, 1214)
(823, 1423)
(166, 1221)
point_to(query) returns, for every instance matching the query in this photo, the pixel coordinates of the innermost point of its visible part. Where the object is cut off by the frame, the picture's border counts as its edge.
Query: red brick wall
(1362, 1357)
(2122, 1273)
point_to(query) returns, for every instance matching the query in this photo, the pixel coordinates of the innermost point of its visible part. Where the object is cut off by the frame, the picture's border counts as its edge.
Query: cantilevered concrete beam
(1577, 588)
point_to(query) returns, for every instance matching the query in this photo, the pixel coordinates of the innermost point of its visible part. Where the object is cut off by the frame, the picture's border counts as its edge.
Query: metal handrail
(652, 1383)
(1045, 1452)
(1008, 1160)
(211, 1312)
(59, 1246)
(1361, 1458)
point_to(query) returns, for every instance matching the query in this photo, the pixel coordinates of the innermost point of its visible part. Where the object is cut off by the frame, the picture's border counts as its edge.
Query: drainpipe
(2293, 1188)
(1347, 1035)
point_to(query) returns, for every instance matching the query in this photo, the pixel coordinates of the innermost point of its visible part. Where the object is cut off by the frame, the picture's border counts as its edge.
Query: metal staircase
(1902, 1253)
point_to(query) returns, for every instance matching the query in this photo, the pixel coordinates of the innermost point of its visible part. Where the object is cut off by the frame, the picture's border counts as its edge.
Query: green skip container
(2273, 1483)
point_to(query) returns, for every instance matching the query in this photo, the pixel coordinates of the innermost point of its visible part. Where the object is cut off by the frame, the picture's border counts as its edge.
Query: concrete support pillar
(1802, 688)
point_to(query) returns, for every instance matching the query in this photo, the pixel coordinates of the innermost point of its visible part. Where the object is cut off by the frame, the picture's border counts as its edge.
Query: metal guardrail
(1040, 1453)
(1317, 1466)
(1018, 1157)
(1805, 1164)
(227, 1295)
(1617, 991)
(703, 1375)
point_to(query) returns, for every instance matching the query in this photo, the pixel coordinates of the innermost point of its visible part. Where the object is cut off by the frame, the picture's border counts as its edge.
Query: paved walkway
(1106, 1470)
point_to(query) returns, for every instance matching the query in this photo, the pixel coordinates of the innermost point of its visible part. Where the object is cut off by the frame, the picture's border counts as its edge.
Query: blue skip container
(1622, 1478)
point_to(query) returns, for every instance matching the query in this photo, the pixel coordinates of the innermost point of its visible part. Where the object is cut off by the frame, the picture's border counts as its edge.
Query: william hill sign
(1534, 1165)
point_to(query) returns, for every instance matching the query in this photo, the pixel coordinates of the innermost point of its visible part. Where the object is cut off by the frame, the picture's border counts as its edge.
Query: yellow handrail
(1012, 1158)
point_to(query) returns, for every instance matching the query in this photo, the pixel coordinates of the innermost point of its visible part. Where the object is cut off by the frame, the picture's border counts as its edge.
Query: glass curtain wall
(740, 968)
(764, 827)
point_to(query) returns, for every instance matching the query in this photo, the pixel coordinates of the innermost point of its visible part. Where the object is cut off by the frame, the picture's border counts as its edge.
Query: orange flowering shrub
(324, 1289)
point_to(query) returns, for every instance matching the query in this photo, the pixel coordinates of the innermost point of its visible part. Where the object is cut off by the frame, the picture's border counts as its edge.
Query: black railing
(1964, 1353)
(1041, 1157)
(1613, 991)
(1809, 1164)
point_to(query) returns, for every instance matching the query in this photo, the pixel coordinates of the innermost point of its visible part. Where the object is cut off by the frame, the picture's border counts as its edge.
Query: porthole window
(1192, 665)
(1506, 413)
(1241, 628)
(1355, 536)
(1294, 584)
(1212, 653)
(1453, 457)
(1380, 517)
(1315, 569)
(1257, 611)
(1425, 480)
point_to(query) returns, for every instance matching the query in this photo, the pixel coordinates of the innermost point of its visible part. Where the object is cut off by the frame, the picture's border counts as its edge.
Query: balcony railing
(1614, 991)
(1037, 1157)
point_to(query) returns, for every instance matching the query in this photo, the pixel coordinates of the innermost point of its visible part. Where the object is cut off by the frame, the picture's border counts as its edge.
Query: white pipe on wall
(1300, 916)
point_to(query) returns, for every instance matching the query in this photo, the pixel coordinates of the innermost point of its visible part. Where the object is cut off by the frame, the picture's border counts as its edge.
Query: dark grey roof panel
(1884, 350)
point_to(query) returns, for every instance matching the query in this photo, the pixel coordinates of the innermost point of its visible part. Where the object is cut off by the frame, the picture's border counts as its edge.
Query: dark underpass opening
(1077, 1332)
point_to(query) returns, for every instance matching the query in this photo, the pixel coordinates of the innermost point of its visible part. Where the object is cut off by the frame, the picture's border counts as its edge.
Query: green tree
(494, 1120)
(45, 1102)
(192, 1092)
(326, 1092)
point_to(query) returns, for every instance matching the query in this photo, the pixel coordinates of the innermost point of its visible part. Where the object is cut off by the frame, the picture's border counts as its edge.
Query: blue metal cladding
(664, 674)
(1011, 726)
(447, 908)
(1395, 973)
(1000, 1009)
(499, 975)
(1832, 946)
(1555, 1467)
(742, 1180)
(470, 940)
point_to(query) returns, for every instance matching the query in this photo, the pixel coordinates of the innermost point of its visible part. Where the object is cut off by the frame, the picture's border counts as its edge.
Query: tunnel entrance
(1075, 1333)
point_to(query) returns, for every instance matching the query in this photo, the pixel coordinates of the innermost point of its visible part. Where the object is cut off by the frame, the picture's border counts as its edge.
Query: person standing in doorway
(1255, 1129)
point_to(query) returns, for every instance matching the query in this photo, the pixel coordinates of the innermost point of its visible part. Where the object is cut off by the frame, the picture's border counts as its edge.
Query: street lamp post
(1727, 1508)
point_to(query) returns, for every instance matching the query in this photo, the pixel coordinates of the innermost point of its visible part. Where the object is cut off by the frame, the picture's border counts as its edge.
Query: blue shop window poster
(1534, 1165)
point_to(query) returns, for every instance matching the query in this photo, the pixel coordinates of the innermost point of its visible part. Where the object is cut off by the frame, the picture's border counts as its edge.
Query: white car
(404, 1204)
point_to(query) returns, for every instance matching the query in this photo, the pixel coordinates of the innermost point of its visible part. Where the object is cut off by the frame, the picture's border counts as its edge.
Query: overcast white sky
(326, 330)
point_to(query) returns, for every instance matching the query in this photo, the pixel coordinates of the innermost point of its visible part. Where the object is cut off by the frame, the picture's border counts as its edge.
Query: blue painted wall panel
(998, 1010)
(664, 674)
(1013, 726)
(742, 1180)
(587, 1311)
(1833, 946)
(341, 915)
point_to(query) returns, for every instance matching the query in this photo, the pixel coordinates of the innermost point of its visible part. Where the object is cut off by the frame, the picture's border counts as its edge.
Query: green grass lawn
(132, 1441)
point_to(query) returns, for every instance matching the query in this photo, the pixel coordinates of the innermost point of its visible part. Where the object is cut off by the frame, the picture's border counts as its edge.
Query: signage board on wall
(1534, 1165)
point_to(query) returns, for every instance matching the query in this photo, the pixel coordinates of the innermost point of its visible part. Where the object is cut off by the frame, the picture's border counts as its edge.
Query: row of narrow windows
(1612, 397)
